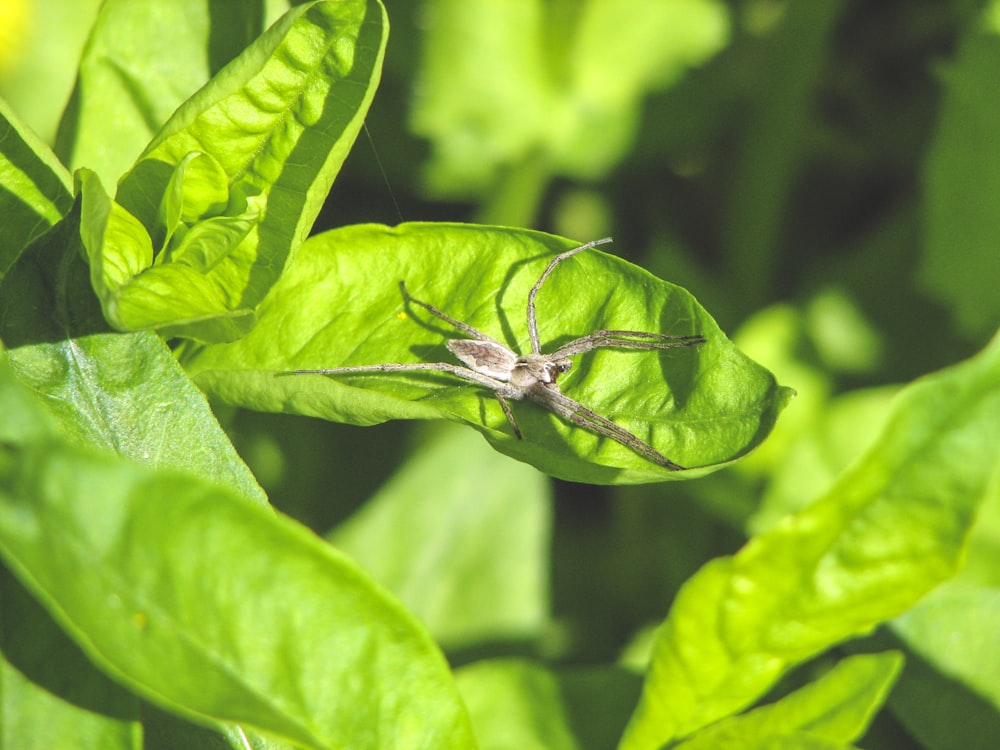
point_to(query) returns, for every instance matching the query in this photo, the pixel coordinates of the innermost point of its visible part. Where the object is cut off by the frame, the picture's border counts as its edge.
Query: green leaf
(198, 186)
(961, 181)
(954, 678)
(789, 741)
(947, 698)
(516, 703)
(848, 426)
(339, 303)
(142, 59)
(890, 529)
(234, 180)
(837, 708)
(136, 295)
(209, 242)
(164, 731)
(950, 630)
(34, 188)
(184, 592)
(471, 558)
(125, 393)
(777, 336)
(118, 246)
(51, 696)
(528, 82)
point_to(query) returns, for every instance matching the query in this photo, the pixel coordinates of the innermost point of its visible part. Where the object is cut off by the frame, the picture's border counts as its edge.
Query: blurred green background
(823, 175)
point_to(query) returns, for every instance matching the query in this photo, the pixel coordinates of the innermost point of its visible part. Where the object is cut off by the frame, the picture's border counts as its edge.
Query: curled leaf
(234, 180)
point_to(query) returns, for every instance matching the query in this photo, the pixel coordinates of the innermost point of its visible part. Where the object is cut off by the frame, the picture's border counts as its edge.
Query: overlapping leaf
(183, 591)
(256, 151)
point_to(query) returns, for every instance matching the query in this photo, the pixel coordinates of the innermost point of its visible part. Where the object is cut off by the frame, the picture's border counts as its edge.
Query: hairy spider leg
(509, 414)
(579, 414)
(461, 372)
(437, 312)
(624, 340)
(536, 347)
(498, 387)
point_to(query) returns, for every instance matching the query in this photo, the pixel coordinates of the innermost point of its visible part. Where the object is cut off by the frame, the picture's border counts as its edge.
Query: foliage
(718, 406)
(276, 581)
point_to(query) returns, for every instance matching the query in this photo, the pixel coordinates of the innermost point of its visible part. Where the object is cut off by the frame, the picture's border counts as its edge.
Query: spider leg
(608, 339)
(500, 389)
(438, 313)
(509, 414)
(578, 414)
(536, 347)
(460, 372)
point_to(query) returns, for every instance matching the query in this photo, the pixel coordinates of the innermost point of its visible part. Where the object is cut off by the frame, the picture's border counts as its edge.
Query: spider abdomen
(485, 357)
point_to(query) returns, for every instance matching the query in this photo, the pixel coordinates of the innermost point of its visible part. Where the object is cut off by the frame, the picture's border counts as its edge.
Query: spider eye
(553, 370)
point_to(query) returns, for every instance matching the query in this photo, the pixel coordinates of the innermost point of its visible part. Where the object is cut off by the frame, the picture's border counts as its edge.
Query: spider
(533, 376)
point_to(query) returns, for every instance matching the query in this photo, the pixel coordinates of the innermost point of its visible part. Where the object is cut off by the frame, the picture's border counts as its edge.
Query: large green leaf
(142, 59)
(953, 678)
(51, 696)
(890, 529)
(124, 393)
(212, 606)
(255, 152)
(339, 303)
